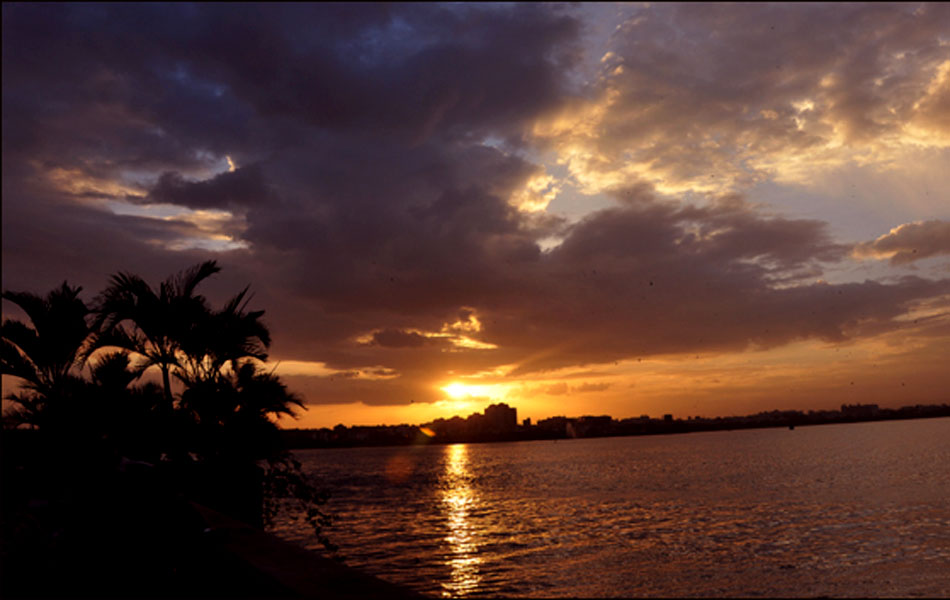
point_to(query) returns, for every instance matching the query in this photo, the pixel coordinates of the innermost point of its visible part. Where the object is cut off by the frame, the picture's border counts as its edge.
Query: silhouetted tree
(232, 413)
(46, 356)
(211, 442)
(160, 319)
(222, 339)
(126, 415)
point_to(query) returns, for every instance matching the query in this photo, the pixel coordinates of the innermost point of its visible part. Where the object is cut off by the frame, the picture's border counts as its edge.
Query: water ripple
(856, 510)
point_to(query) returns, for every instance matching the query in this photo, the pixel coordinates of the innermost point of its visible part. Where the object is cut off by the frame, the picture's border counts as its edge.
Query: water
(835, 510)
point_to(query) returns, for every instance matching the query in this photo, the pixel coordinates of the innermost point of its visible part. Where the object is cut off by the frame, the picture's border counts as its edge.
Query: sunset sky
(575, 209)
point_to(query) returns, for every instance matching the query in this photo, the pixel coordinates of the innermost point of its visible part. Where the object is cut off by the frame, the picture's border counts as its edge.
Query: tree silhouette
(114, 372)
(220, 339)
(47, 355)
(160, 319)
(125, 415)
(208, 444)
(232, 413)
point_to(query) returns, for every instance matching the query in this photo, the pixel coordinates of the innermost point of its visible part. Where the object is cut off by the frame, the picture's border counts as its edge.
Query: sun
(457, 390)
(461, 396)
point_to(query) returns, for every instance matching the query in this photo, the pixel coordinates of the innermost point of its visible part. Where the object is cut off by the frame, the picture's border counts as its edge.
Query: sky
(584, 209)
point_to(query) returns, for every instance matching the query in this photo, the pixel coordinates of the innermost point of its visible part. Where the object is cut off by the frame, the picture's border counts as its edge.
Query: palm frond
(34, 306)
(52, 347)
(183, 285)
(20, 335)
(16, 363)
(115, 371)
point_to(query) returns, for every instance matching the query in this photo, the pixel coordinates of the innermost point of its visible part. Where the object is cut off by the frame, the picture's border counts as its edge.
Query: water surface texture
(841, 510)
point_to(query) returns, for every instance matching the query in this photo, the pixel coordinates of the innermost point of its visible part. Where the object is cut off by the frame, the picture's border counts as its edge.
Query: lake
(831, 510)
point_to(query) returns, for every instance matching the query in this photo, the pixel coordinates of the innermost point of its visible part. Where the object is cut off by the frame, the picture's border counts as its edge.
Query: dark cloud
(55, 238)
(644, 279)
(233, 190)
(909, 242)
(658, 279)
(394, 338)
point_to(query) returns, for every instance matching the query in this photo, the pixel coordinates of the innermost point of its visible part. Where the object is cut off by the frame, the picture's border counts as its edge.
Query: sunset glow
(457, 390)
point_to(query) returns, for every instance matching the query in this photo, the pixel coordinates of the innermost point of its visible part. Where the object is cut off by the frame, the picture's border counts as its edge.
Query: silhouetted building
(452, 428)
(497, 419)
(554, 425)
(501, 418)
(634, 425)
(860, 411)
(591, 426)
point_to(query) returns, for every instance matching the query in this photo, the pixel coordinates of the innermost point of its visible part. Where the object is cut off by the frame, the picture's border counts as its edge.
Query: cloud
(347, 390)
(718, 97)
(645, 278)
(659, 279)
(909, 242)
(561, 389)
(240, 188)
(592, 387)
(394, 338)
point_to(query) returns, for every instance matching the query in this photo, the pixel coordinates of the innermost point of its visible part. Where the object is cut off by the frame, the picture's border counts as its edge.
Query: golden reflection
(458, 501)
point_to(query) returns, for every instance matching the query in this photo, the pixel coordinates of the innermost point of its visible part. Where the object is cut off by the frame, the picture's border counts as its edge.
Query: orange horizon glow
(801, 376)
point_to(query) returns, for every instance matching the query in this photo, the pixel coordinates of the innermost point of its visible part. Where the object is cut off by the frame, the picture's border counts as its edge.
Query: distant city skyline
(498, 423)
(697, 209)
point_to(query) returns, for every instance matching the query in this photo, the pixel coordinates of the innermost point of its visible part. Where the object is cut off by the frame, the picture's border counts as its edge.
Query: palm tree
(46, 355)
(232, 416)
(114, 372)
(223, 338)
(214, 353)
(160, 319)
(228, 403)
(232, 430)
(123, 414)
(263, 395)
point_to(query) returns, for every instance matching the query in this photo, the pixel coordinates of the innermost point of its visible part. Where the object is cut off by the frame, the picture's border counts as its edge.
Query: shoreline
(290, 570)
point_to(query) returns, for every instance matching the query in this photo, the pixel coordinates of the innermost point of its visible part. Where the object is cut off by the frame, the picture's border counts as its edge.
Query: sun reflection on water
(458, 501)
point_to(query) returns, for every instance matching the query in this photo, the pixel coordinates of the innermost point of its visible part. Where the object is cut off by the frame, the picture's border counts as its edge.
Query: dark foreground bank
(71, 531)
